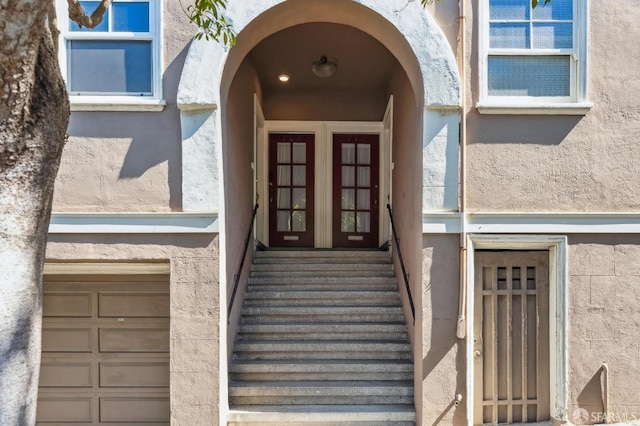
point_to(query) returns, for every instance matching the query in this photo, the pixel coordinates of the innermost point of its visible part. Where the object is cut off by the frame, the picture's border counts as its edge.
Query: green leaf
(534, 3)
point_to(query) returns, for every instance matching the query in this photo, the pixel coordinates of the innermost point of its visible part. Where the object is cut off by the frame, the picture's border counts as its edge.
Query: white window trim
(116, 102)
(576, 104)
(558, 308)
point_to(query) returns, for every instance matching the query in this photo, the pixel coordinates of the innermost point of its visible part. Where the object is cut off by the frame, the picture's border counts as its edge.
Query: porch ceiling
(364, 64)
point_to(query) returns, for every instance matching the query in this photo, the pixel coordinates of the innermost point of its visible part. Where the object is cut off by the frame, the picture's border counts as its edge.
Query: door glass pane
(364, 199)
(348, 176)
(348, 199)
(364, 154)
(284, 175)
(348, 222)
(284, 152)
(300, 153)
(348, 153)
(284, 198)
(283, 221)
(364, 222)
(299, 175)
(299, 221)
(131, 16)
(299, 198)
(364, 176)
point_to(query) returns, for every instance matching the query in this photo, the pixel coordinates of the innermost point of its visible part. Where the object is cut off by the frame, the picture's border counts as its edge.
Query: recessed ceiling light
(283, 78)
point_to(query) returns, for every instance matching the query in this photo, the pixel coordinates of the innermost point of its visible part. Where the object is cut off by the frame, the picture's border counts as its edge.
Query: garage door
(105, 352)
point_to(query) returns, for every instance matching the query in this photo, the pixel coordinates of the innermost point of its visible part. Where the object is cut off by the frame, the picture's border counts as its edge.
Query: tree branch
(52, 20)
(77, 14)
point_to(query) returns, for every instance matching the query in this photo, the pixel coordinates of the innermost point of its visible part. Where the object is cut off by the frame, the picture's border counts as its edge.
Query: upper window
(119, 60)
(533, 56)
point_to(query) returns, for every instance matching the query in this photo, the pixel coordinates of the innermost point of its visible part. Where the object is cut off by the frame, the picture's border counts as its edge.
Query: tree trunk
(34, 114)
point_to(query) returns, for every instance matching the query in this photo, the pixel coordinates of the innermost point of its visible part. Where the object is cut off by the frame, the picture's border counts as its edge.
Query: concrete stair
(321, 341)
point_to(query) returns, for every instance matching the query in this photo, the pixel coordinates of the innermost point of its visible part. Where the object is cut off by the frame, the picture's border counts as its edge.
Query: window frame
(107, 101)
(577, 101)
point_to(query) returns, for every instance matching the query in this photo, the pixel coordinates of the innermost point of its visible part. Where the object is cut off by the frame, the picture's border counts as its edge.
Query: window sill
(578, 108)
(115, 103)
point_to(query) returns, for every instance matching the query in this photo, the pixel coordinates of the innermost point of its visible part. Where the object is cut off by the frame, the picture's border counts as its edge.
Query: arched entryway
(231, 101)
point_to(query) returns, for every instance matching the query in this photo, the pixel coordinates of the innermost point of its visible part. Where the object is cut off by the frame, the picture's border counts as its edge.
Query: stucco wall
(194, 300)
(129, 161)
(442, 362)
(563, 163)
(604, 324)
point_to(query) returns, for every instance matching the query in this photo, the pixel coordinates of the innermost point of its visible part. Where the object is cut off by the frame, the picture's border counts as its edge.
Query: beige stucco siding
(129, 161)
(194, 309)
(563, 163)
(604, 322)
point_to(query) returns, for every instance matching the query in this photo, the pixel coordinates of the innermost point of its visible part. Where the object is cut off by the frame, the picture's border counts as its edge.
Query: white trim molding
(558, 308)
(534, 223)
(134, 223)
(100, 268)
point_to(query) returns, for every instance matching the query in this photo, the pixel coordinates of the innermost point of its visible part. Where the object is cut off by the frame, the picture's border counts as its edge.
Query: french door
(291, 195)
(355, 190)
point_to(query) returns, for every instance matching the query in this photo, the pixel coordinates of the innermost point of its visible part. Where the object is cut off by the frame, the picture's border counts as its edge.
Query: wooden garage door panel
(66, 340)
(140, 409)
(66, 305)
(134, 374)
(77, 409)
(66, 375)
(133, 305)
(134, 340)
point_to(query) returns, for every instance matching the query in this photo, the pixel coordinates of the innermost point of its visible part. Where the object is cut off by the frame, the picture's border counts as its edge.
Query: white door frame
(558, 307)
(323, 131)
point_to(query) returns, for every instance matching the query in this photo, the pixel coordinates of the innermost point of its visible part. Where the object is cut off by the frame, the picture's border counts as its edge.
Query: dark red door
(291, 190)
(355, 190)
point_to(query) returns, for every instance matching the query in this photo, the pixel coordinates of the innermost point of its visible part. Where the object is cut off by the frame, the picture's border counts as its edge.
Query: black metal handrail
(396, 240)
(236, 277)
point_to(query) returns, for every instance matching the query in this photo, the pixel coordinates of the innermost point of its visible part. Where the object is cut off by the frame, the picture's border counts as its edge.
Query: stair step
(325, 254)
(321, 370)
(322, 267)
(322, 298)
(322, 280)
(328, 415)
(340, 314)
(322, 331)
(322, 392)
(323, 286)
(327, 349)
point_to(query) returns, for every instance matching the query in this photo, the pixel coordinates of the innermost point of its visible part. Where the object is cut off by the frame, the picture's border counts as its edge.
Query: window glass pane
(300, 153)
(299, 175)
(348, 153)
(122, 66)
(299, 221)
(552, 36)
(509, 9)
(505, 36)
(557, 10)
(131, 16)
(529, 75)
(89, 7)
(299, 198)
(348, 199)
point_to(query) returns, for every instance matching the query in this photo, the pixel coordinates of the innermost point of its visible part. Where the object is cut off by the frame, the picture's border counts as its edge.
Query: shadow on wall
(590, 402)
(154, 136)
(446, 355)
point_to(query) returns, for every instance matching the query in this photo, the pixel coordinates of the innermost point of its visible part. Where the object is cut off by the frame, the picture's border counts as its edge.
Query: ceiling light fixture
(283, 78)
(324, 67)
